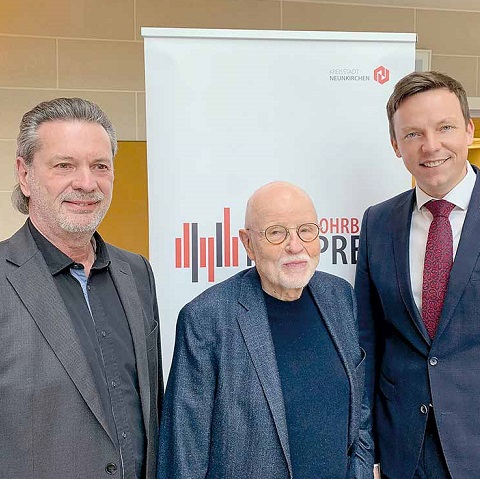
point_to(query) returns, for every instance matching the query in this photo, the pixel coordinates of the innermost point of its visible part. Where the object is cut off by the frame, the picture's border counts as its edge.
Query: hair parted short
(418, 82)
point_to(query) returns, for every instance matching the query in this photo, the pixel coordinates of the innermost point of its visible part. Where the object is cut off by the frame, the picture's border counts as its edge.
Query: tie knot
(440, 207)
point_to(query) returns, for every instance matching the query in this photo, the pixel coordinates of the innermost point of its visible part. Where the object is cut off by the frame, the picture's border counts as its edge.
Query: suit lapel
(127, 291)
(465, 259)
(401, 240)
(253, 322)
(36, 288)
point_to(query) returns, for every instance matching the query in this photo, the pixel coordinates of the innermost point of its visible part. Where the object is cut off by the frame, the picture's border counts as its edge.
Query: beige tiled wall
(93, 48)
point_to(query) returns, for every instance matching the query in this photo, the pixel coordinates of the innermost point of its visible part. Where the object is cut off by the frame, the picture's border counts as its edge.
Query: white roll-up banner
(231, 110)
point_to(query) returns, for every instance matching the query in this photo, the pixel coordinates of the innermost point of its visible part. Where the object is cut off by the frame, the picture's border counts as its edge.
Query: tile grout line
(87, 90)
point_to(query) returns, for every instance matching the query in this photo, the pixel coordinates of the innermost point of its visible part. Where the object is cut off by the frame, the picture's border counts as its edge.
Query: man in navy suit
(422, 378)
(267, 373)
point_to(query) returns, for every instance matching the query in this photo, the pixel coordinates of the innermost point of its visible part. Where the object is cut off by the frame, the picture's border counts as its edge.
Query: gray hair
(58, 109)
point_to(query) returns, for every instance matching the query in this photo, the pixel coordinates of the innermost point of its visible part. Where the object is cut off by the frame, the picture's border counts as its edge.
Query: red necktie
(438, 263)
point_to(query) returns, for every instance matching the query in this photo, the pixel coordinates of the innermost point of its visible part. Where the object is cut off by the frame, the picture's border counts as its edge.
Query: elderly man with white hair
(267, 374)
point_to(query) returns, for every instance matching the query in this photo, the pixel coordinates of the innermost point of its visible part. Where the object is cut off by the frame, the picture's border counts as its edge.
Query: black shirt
(315, 388)
(104, 333)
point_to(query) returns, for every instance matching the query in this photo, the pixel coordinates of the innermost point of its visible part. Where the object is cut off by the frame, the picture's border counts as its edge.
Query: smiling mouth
(434, 164)
(85, 205)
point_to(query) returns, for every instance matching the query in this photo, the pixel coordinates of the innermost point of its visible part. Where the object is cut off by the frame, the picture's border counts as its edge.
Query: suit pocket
(387, 387)
(152, 338)
(475, 276)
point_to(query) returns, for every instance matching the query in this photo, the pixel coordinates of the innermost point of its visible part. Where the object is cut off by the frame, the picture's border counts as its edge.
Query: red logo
(381, 75)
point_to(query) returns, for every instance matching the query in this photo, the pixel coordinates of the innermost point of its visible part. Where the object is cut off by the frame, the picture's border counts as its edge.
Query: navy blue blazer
(223, 413)
(404, 368)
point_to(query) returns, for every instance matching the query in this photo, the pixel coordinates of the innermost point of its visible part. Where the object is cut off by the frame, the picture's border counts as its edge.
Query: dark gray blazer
(404, 368)
(224, 414)
(52, 425)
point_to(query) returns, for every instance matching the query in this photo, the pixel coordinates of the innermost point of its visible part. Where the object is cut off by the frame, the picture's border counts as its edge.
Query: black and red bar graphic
(194, 252)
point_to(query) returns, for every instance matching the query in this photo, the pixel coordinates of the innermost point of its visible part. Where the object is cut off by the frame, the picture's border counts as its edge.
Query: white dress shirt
(421, 219)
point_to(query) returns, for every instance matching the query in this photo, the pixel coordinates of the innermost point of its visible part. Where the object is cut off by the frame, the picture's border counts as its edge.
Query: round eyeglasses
(277, 234)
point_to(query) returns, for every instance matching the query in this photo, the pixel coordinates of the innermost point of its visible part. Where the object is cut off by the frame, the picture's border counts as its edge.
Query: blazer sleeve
(370, 316)
(361, 464)
(154, 336)
(187, 412)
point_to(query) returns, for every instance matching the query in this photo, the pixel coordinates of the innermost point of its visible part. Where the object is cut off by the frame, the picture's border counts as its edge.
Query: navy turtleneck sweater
(315, 388)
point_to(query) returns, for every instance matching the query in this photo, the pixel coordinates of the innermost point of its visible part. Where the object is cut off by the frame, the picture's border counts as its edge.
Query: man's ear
(22, 176)
(247, 243)
(470, 131)
(394, 144)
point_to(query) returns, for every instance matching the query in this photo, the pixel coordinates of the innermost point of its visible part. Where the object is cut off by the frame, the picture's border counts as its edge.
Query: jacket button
(433, 361)
(111, 468)
(423, 409)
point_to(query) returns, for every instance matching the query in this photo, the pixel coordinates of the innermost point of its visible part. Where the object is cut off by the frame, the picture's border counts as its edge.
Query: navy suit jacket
(404, 368)
(224, 414)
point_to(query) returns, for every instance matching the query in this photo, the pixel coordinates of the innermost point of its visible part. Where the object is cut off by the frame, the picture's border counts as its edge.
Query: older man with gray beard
(267, 374)
(80, 369)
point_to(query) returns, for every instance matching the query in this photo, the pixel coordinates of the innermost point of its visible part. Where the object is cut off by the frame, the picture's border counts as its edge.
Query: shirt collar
(57, 260)
(459, 196)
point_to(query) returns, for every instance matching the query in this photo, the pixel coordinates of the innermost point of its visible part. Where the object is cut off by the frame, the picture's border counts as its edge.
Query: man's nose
(293, 243)
(84, 179)
(431, 143)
